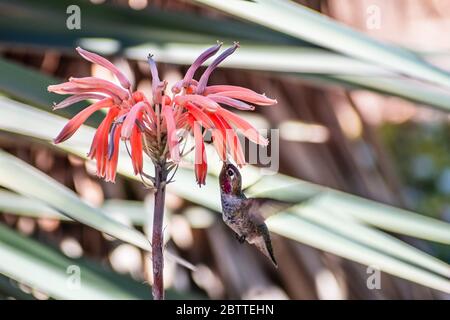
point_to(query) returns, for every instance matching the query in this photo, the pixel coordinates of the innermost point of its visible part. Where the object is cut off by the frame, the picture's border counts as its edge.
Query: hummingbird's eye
(230, 173)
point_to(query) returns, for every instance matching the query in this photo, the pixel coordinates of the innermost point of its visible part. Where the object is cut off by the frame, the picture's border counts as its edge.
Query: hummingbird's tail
(264, 243)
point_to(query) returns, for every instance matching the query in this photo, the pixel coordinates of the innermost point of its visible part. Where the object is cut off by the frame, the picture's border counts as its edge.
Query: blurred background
(349, 127)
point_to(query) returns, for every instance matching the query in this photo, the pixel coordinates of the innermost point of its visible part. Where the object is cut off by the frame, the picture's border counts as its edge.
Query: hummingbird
(245, 216)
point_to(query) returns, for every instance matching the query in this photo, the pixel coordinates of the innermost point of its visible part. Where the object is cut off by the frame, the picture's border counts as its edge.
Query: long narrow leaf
(10, 202)
(339, 203)
(19, 176)
(304, 231)
(298, 21)
(209, 196)
(38, 266)
(380, 241)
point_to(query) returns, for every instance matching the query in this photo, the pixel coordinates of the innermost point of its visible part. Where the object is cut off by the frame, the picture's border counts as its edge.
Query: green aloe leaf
(30, 86)
(185, 187)
(8, 290)
(414, 91)
(303, 23)
(30, 180)
(20, 255)
(13, 203)
(52, 272)
(302, 230)
(387, 217)
(146, 33)
(43, 23)
(22, 178)
(353, 229)
(348, 206)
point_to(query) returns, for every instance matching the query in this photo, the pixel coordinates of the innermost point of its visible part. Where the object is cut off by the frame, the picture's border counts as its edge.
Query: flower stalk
(158, 234)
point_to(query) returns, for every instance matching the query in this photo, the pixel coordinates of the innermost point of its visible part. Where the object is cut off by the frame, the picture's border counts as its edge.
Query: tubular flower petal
(201, 101)
(99, 135)
(205, 76)
(251, 97)
(247, 129)
(136, 150)
(172, 138)
(199, 115)
(222, 88)
(64, 88)
(93, 83)
(130, 120)
(80, 118)
(112, 148)
(100, 143)
(234, 145)
(72, 88)
(219, 144)
(208, 53)
(201, 165)
(219, 136)
(231, 102)
(158, 86)
(108, 149)
(77, 98)
(111, 161)
(95, 58)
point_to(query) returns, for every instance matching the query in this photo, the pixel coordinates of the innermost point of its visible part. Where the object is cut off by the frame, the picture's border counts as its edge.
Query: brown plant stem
(157, 236)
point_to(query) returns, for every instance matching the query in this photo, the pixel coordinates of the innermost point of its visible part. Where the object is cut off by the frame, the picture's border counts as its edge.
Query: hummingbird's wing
(267, 206)
(274, 200)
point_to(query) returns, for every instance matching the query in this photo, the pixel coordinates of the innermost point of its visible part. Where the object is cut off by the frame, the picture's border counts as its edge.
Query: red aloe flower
(155, 126)
(203, 104)
(120, 101)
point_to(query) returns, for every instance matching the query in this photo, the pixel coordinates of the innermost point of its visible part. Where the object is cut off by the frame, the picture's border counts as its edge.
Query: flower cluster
(157, 126)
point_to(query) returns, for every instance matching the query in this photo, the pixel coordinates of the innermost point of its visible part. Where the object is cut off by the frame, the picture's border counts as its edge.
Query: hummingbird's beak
(224, 166)
(225, 163)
